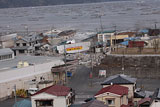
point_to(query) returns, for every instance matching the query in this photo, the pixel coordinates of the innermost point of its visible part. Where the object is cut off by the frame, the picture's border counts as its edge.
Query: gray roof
(140, 94)
(21, 48)
(30, 38)
(119, 79)
(94, 103)
(5, 51)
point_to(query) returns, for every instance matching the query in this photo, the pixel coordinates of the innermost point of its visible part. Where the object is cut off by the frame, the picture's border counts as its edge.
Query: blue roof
(144, 31)
(23, 103)
(130, 38)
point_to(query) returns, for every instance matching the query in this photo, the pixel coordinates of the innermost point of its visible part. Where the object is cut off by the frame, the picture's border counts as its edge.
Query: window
(21, 51)
(24, 44)
(3, 57)
(17, 44)
(135, 103)
(44, 103)
(110, 101)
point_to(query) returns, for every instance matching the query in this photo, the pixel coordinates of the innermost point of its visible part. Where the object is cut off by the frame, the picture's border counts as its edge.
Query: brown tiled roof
(131, 34)
(143, 101)
(57, 90)
(116, 89)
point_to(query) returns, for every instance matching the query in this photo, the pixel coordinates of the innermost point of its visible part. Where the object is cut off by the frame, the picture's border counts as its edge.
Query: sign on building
(74, 48)
(102, 73)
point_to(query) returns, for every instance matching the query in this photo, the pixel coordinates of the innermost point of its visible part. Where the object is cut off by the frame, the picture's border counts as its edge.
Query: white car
(32, 91)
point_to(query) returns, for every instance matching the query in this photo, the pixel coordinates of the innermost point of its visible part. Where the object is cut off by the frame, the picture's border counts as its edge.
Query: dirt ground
(134, 51)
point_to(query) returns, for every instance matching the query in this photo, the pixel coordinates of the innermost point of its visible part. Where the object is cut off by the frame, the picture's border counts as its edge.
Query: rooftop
(57, 90)
(116, 89)
(140, 94)
(119, 79)
(145, 100)
(5, 51)
(94, 103)
(29, 38)
(109, 31)
(127, 33)
(10, 64)
(67, 32)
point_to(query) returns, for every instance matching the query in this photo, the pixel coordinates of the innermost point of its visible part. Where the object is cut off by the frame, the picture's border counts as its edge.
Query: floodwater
(125, 15)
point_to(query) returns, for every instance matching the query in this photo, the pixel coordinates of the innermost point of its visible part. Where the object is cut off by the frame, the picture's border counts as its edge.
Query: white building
(6, 54)
(74, 48)
(53, 96)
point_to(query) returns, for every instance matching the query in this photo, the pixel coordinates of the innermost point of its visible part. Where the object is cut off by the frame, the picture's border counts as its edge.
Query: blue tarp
(130, 38)
(23, 103)
(124, 43)
(144, 31)
(69, 74)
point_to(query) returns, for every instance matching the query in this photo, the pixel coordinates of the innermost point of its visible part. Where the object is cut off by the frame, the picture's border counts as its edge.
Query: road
(84, 86)
(81, 83)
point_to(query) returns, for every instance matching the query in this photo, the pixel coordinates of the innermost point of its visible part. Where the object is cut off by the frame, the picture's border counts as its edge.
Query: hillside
(28, 3)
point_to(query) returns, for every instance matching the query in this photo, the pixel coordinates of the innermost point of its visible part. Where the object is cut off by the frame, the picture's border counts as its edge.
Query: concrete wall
(155, 104)
(6, 88)
(60, 102)
(19, 76)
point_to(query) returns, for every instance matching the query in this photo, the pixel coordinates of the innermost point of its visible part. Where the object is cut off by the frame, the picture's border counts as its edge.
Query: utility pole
(15, 96)
(101, 26)
(65, 63)
(123, 63)
(91, 72)
(115, 27)
(100, 16)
